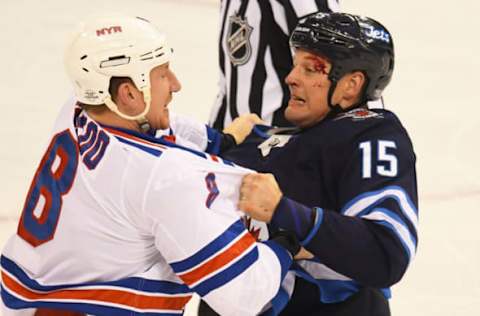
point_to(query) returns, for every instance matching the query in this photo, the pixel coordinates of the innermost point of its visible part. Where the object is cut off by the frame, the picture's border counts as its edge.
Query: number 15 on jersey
(385, 164)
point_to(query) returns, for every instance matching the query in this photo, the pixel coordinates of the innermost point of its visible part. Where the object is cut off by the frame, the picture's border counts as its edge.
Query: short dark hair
(115, 82)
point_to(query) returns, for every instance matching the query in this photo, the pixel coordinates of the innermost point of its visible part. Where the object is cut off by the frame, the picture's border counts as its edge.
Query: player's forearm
(357, 248)
(360, 249)
(218, 142)
(196, 135)
(250, 291)
(295, 217)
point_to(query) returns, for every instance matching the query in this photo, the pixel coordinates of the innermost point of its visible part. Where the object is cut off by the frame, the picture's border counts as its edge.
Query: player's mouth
(296, 100)
(168, 102)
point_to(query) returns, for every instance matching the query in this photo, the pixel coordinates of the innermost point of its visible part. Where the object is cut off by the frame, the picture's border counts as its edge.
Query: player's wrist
(294, 216)
(228, 142)
(288, 240)
(276, 205)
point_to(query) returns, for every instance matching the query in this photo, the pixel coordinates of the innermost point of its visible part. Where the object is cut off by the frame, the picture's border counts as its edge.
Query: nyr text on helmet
(109, 30)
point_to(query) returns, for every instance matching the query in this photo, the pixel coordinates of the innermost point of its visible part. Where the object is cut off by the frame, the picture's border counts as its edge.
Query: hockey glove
(287, 240)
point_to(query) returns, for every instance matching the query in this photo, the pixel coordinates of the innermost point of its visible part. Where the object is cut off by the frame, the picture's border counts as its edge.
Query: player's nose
(175, 84)
(291, 78)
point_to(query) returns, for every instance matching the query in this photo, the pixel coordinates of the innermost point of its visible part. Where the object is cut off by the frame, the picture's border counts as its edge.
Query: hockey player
(254, 57)
(344, 179)
(117, 222)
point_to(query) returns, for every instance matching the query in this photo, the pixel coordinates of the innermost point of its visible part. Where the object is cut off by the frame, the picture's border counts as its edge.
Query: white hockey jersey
(119, 223)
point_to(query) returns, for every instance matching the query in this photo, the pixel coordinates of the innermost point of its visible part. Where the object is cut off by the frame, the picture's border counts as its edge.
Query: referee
(254, 57)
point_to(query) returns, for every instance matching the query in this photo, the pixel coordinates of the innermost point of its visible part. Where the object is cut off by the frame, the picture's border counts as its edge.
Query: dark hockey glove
(287, 240)
(228, 142)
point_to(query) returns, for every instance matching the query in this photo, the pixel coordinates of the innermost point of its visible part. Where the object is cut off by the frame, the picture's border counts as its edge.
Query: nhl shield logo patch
(238, 40)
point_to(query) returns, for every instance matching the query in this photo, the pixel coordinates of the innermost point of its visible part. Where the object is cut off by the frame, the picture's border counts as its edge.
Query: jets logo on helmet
(350, 43)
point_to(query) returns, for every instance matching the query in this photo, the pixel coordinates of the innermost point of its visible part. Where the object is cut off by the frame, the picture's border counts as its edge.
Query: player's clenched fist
(259, 196)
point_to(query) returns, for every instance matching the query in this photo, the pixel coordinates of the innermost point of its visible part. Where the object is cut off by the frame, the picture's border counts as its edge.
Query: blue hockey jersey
(358, 170)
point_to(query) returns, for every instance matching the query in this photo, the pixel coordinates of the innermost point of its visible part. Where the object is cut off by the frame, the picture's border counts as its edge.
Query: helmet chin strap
(334, 109)
(141, 118)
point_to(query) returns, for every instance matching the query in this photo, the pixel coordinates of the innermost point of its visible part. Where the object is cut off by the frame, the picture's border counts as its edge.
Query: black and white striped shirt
(255, 58)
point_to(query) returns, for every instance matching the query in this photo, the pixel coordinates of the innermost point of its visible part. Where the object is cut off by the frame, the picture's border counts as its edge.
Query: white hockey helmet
(114, 46)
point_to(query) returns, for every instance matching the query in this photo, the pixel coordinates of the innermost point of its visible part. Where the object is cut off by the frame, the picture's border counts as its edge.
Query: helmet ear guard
(351, 43)
(114, 46)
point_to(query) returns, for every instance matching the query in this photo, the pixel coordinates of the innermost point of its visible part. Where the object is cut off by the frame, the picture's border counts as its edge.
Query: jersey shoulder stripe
(129, 135)
(165, 140)
(138, 142)
(156, 146)
(220, 261)
(119, 298)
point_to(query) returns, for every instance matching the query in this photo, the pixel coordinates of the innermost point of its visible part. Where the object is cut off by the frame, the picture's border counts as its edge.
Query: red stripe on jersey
(120, 297)
(131, 137)
(170, 138)
(220, 260)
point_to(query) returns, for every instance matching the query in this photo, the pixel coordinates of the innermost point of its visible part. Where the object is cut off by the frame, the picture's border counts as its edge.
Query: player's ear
(354, 84)
(128, 95)
(349, 88)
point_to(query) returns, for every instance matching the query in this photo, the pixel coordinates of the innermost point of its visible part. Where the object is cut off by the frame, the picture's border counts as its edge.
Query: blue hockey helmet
(351, 43)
